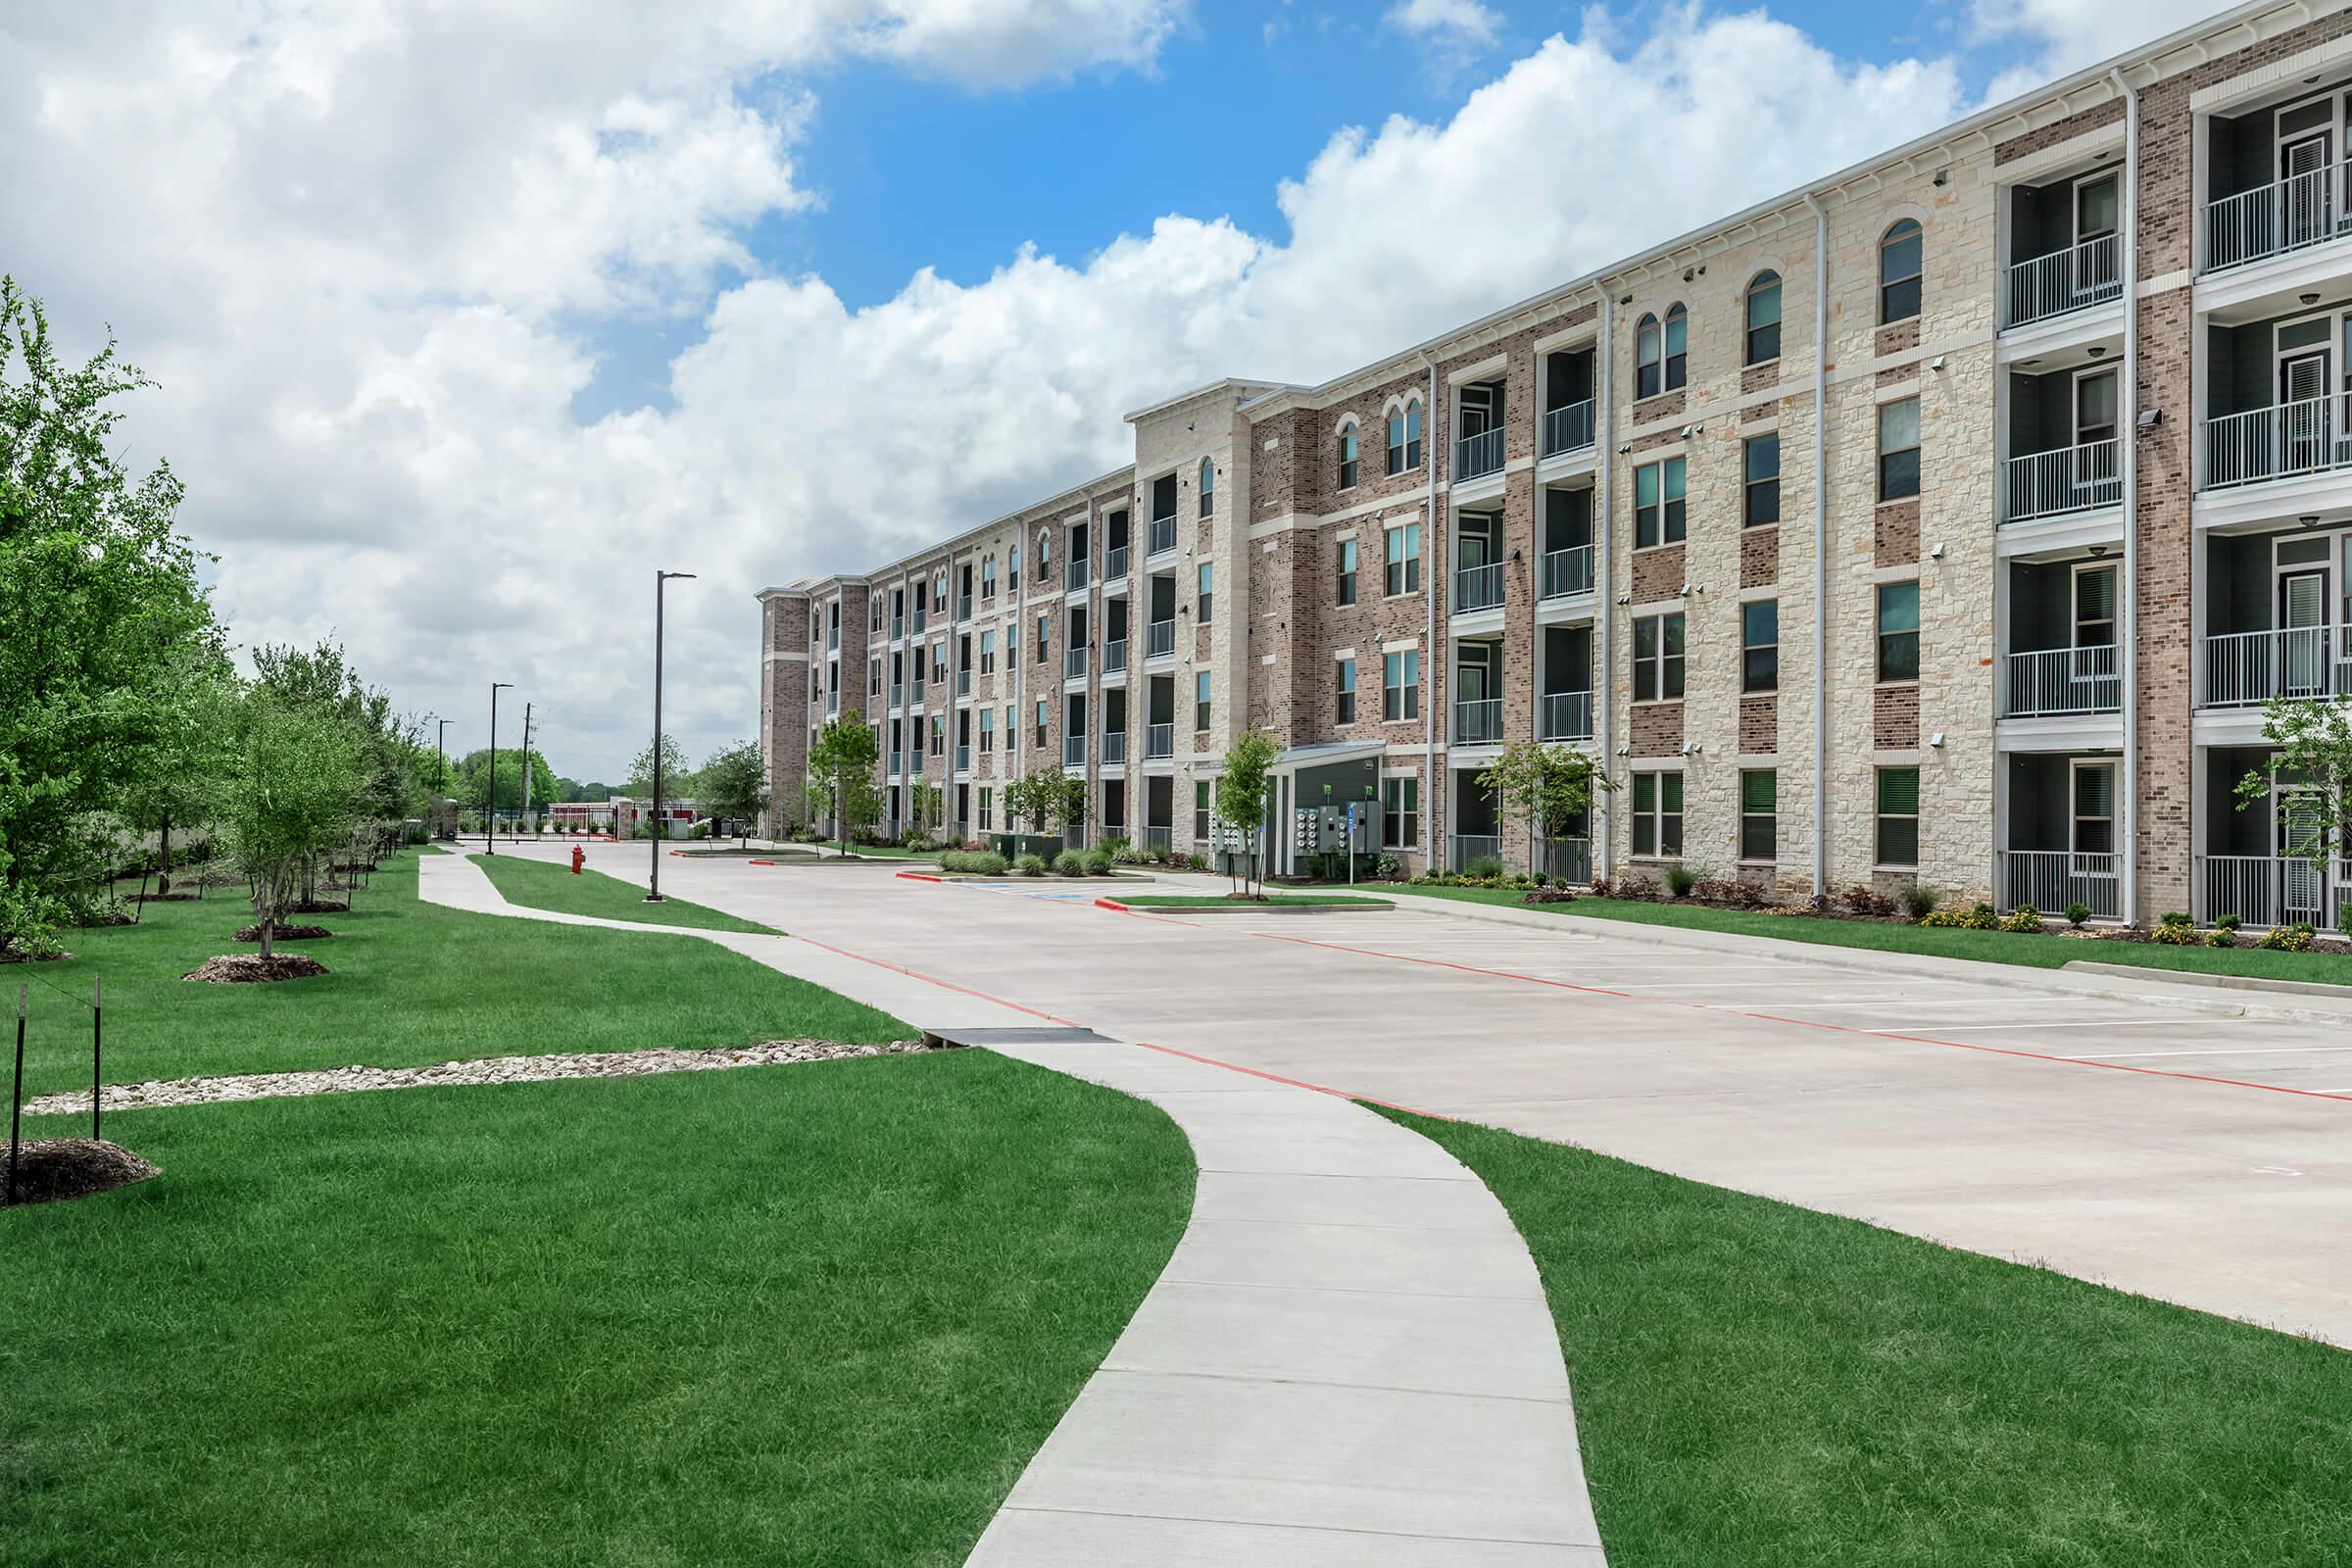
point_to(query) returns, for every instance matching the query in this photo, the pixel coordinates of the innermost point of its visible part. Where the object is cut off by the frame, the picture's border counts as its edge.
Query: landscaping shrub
(2294, 938)
(1681, 880)
(1387, 868)
(2174, 918)
(1920, 900)
(1030, 866)
(2226, 922)
(1069, 862)
(2078, 916)
(1196, 862)
(2222, 936)
(1982, 919)
(2025, 918)
(1945, 918)
(2173, 933)
(2343, 918)
(1098, 863)
(972, 862)
(1863, 898)
(1482, 865)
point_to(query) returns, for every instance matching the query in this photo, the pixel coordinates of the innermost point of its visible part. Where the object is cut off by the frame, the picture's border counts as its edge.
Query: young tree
(1546, 787)
(191, 727)
(841, 774)
(926, 806)
(1047, 798)
(296, 783)
(677, 780)
(469, 780)
(1242, 788)
(734, 783)
(2312, 762)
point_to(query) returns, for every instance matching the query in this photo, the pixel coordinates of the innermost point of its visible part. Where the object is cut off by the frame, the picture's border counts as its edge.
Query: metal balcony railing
(1159, 639)
(1569, 860)
(918, 618)
(1114, 655)
(1114, 564)
(898, 695)
(1073, 664)
(963, 606)
(1477, 587)
(1566, 716)
(2299, 211)
(2244, 669)
(1074, 577)
(1476, 456)
(963, 683)
(1073, 751)
(2060, 282)
(1160, 537)
(2272, 890)
(832, 702)
(2278, 442)
(1159, 836)
(2052, 879)
(898, 627)
(1566, 572)
(2051, 681)
(1478, 721)
(2048, 484)
(1467, 847)
(833, 639)
(1568, 428)
(1114, 746)
(963, 756)
(1159, 740)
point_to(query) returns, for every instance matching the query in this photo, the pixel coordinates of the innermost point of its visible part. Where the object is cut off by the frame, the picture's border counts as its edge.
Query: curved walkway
(1348, 1358)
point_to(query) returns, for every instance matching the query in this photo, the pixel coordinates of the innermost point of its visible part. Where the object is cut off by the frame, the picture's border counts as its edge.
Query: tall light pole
(652, 891)
(441, 773)
(490, 802)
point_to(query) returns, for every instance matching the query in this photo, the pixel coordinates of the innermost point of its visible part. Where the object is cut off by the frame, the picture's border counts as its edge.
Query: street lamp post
(490, 803)
(440, 772)
(652, 891)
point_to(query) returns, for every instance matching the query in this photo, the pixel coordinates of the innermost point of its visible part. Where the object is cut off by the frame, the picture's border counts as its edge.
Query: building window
(1658, 513)
(1657, 814)
(1045, 636)
(1898, 817)
(1045, 717)
(1899, 269)
(1346, 594)
(1012, 731)
(1208, 488)
(1400, 812)
(873, 677)
(988, 653)
(1898, 449)
(1764, 318)
(1760, 461)
(988, 730)
(1204, 596)
(1759, 818)
(987, 807)
(1201, 699)
(1401, 686)
(1405, 437)
(1648, 353)
(1347, 456)
(1658, 658)
(1201, 810)
(2094, 606)
(1403, 566)
(2094, 809)
(1898, 630)
(1346, 709)
(1760, 646)
(1677, 345)
(988, 577)
(1012, 569)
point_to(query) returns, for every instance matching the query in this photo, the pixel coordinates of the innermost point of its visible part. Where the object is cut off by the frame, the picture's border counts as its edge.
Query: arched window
(1045, 552)
(1405, 437)
(1647, 371)
(1899, 269)
(1677, 345)
(1013, 568)
(1764, 318)
(1208, 488)
(1347, 455)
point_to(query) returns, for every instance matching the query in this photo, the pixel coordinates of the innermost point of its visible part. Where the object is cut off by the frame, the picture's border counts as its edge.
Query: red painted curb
(1112, 905)
(758, 862)
(919, 876)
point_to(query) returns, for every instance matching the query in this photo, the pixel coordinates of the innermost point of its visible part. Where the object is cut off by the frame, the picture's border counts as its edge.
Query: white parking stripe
(2247, 1051)
(2084, 1023)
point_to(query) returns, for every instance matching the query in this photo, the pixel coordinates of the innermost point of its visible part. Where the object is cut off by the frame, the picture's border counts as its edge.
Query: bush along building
(1950, 521)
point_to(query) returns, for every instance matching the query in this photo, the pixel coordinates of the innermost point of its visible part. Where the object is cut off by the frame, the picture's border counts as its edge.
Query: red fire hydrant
(579, 857)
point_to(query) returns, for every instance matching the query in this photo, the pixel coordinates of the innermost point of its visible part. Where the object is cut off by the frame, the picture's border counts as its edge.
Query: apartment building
(1875, 535)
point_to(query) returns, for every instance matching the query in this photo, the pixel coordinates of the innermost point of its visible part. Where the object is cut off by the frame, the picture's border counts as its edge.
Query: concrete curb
(1187, 911)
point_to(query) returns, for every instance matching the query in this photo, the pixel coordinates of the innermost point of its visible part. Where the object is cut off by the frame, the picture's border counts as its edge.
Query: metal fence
(2051, 880)
(2306, 436)
(1478, 721)
(1568, 428)
(1160, 537)
(2272, 220)
(2050, 484)
(2071, 279)
(2061, 680)
(2272, 890)
(1477, 587)
(2243, 669)
(1565, 716)
(1566, 572)
(1474, 455)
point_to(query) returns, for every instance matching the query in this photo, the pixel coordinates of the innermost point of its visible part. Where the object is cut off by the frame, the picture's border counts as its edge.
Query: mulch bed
(163, 898)
(49, 1169)
(318, 906)
(247, 968)
(285, 933)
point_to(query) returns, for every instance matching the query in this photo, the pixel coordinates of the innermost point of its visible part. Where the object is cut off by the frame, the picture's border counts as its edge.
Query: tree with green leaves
(677, 779)
(734, 784)
(2310, 767)
(1242, 791)
(926, 806)
(296, 783)
(191, 723)
(469, 780)
(841, 774)
(1047, 798)
(1546, 787)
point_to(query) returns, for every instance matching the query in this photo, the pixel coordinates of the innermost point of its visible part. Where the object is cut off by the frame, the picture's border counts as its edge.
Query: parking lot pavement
(2202, 1159)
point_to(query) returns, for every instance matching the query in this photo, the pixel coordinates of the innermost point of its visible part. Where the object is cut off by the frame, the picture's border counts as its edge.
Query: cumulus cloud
(1465, 20)
(366, 248)
(2068, 34)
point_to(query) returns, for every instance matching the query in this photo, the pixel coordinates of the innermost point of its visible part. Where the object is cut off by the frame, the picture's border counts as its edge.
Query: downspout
(1429, 601)
(2128, 418)
(1820, 545)
(1605, 458)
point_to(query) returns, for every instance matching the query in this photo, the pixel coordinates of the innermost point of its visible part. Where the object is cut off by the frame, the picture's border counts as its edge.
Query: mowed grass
(1760, 1386)
(1218, 900)
(1988, 946)
(410, 983)
(813, 1315)
(549, 885)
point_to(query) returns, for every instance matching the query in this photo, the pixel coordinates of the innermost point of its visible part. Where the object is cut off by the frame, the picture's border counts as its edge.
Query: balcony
(964, 758)
(1159, 836)
(1074, 577)
(1114, 564)
(1477, 456)
(832, 639)
(963, 683)
(898, 627)
(2061, 282)
(963, 606)
(2246, 668)
(2050, 484)
(1160, 640)
(2053, 879)
(1567, 572)
(915, 689)
(2272, 890)
(2279, 442)
(1566, 716)
(2298, 211)
(1073, 751)
(1568, 429)
(1114, 657)
(1073, 664)
(832, 702)
(2048, 683)
(1467, 847)
(1159, 742)
(918, 615)
(1569, 860)
(1160, 537)
(1478, 721)
(1114, 747)
(1478, 588)
(898, 695)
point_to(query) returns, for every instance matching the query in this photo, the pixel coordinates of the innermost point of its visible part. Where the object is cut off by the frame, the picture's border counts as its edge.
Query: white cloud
(2068, 34)
(1465, 21)
(366, 251)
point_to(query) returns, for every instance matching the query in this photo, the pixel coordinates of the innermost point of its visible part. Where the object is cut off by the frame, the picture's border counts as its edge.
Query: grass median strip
(816, 1314)
(1760, 1386)
(546, 884)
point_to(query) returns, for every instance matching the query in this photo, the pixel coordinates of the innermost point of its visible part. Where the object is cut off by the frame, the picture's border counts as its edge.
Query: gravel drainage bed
(487, 1070)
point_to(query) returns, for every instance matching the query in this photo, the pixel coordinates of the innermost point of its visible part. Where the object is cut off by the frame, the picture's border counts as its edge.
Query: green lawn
(1218, 900)
(804, 1314)
(411, 983)
(1990, 947)
(1759, 1386)
(549, 885)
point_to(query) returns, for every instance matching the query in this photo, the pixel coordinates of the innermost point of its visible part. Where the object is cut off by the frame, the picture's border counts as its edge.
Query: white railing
(1478, 721)
(1159, 639)
(2244, 669)
(1568, 428)
(963, 606)
(898, 695)
(964, 758)
(1474, 455)
(2272, 890)
(898, 627)
(2064, 280)
(2061, 680)
(1468, 847)
(2047, 484)
(1569, 860)
(1158, 836)
(1074, 577)
(1114, 655)
(2278, 442)
(1114, 564)
(2272, 220)
(1477, 587)
(1114, 746)
(1073, 664)
(1566, 716)
(2052, 879)
(832, 702)
(1073, 751)
(963, 683)
(1160, 537)
(1567, 571)
(1159, 740)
